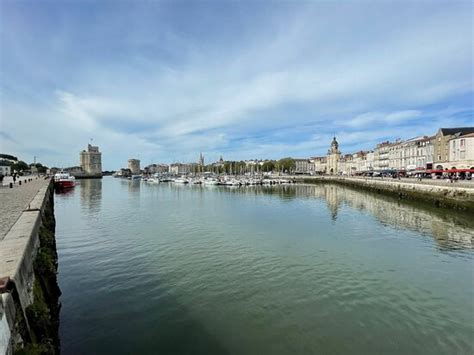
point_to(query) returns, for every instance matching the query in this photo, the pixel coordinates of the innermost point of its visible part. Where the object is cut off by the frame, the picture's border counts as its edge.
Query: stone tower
(333, 157)
(91, 161)
(134, 166)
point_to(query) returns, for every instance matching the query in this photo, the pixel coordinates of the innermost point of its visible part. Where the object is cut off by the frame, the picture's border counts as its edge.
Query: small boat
(136, 177)
(181, 180)
(153, 180)
(63, 180)
(211, 182)
(232, 182)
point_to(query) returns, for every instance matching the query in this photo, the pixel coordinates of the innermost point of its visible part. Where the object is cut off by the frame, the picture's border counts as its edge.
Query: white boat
(153, 180)
(232, 182)
(211, 182)
(181, 180)
(136, 177)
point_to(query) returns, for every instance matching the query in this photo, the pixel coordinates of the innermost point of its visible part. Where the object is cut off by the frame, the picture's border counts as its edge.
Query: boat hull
(66, 184)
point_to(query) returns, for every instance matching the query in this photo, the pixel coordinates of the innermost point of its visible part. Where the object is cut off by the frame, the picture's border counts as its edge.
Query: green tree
(19, 166)
(286, 165)
(268, 166)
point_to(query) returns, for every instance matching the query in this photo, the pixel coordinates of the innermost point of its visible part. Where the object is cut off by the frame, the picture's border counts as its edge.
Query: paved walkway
(13, 201)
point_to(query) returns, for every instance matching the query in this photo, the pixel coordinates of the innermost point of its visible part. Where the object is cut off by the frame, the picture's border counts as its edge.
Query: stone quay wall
(29, 303)
(442, 194)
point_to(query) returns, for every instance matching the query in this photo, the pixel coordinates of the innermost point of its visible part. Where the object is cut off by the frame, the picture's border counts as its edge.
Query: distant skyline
(164, 81)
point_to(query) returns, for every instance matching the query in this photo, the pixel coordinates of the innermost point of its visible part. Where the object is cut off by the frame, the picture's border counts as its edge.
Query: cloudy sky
(165, 80)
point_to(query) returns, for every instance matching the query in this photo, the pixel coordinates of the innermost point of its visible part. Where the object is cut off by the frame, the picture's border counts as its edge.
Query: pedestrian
(14, 177)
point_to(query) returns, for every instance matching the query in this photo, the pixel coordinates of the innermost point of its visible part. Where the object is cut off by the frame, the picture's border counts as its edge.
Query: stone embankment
(29, 304)
(437, 192)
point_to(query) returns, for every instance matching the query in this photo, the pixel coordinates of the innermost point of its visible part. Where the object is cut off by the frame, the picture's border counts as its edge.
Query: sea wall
(449, 195)
(29, 308)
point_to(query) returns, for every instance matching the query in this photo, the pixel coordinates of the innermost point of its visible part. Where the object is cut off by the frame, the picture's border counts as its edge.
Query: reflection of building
(91, 162)
(134, 166)
(333, 198)
(447, 227)
(91, 194)
(442, 226)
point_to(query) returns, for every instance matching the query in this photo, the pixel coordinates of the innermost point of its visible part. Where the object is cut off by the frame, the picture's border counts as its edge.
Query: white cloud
(320, 67)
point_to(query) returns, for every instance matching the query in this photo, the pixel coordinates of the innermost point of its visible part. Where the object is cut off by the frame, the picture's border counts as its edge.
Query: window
(461, 143)
(462, 155)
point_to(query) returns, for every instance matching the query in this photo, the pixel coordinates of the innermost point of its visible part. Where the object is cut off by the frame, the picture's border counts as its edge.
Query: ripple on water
(305, 269)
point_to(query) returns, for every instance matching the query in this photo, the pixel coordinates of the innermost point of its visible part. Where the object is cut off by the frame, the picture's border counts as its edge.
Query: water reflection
(133, 186)
(451, 229)
(91, 194)
(260, 270)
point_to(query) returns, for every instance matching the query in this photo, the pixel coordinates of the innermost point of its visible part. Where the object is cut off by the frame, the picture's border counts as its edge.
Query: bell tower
(333, 157)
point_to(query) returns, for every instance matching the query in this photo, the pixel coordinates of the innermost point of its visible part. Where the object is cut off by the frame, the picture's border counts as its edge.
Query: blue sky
(163, 81)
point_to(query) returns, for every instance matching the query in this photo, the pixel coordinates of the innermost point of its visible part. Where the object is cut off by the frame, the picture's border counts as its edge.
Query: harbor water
(297, 269)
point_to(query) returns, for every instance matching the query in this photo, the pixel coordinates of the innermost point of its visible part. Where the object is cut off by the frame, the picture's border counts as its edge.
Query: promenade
(13, 201)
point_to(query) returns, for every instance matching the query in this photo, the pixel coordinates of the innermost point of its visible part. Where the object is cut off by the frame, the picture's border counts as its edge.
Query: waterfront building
(333, 157)
(124, 172)
(5, 170)
(134, 166)
(320, 164)
(361, 162)
(156, 169)
(461, 152)
(441, 144)
(417, 154)
(304, 166)
(382, 156)
(90, 162)
(414, 154)
(179, 169)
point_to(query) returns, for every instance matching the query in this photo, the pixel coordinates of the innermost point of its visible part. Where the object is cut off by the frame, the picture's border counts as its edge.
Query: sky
(163, 81)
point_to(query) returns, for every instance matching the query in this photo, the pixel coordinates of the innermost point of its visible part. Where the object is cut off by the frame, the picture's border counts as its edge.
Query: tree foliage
(285, 165)
(8, 156)
(19, 166)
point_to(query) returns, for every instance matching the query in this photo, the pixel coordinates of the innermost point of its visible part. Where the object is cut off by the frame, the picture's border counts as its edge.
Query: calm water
(147, 269)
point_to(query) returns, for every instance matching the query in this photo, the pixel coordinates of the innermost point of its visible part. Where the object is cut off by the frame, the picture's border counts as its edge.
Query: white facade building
(461, 152)
(179, 168)
(5, 170)
(304, 166)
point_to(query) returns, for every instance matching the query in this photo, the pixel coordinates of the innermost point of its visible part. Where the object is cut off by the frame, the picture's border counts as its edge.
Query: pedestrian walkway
(13, 201)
